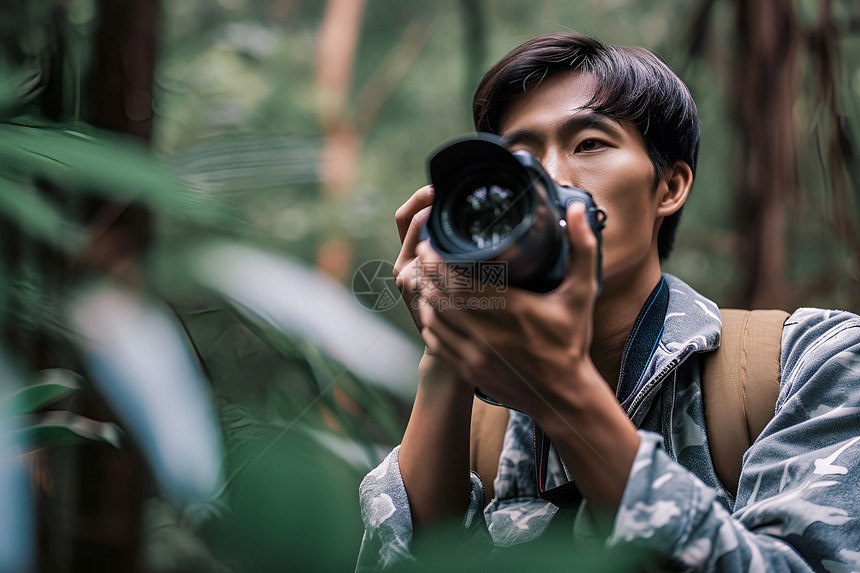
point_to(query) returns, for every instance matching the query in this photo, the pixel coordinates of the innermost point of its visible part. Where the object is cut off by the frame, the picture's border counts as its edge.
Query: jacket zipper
(655, 383)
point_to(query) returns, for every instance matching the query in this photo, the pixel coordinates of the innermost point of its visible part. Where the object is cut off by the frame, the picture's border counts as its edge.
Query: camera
(491, 204)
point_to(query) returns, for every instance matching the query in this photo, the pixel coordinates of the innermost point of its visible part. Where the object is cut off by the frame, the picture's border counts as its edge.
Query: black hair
(633, 85)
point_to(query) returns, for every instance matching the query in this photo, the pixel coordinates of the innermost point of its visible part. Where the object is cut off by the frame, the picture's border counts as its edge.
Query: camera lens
(502, 207)
(487, 215)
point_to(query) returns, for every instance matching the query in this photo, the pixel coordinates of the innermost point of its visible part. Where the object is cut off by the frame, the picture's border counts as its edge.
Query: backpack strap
(740, 386)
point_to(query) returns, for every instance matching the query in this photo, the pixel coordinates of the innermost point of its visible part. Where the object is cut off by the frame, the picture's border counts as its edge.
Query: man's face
(599, 154)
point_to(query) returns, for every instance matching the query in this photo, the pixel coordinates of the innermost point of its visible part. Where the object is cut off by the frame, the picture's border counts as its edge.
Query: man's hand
(534, 354)
(410, 218)
(529, 347)
(434, 454)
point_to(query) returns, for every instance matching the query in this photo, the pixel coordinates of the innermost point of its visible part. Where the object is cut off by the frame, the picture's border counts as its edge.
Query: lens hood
(448, 163)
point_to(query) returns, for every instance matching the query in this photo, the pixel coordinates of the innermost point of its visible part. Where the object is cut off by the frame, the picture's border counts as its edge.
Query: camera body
(494, 205)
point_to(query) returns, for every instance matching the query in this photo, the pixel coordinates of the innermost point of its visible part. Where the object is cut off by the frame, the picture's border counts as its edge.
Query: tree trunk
(90, 497)
(763, 98)
(336, 48)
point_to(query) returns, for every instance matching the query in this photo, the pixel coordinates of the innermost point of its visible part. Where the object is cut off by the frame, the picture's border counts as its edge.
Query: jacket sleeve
(798, 502)
(388, 520)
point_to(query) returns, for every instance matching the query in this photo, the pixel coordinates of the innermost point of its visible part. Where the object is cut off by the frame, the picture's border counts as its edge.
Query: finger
(404, 215)
(422, 276)
(438, 308)
(407, 254)
(583, 246)
(413, 234)
(451, 342)
(422, 281)
(427, 253)
(436, 346)
(426, 264)
(466, 298)
(407, 280)
(474, 356)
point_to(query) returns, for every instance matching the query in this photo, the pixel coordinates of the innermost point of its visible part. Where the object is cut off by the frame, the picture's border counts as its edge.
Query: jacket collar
(691, 323)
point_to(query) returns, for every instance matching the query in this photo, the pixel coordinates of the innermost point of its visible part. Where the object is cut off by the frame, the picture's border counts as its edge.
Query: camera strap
(564, 496)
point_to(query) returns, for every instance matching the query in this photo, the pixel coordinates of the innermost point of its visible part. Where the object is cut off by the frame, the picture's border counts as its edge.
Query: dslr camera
(494, 205)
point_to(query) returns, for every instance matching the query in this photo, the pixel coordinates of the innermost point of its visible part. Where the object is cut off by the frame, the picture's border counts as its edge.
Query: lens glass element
(487, 215)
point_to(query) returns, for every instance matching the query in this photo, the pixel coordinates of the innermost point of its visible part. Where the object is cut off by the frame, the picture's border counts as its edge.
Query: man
(614, 381)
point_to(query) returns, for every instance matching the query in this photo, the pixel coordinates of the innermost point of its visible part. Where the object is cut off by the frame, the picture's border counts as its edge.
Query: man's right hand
(434, 454)
(410, 218)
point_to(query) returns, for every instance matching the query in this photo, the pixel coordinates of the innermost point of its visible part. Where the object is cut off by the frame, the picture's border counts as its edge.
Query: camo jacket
(797, 506)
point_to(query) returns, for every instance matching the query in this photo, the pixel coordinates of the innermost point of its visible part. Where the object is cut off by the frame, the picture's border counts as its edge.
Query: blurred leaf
(140, 363)
(17, 542)
(307, 305)
(63, 428)
(38, 216)
(351, 451)
(331, 383)
(269, 378)
(18, 87)
(98, 162)
(173, 541)
(56, 384)
(445, 550)
(293, 508)
(249, 162)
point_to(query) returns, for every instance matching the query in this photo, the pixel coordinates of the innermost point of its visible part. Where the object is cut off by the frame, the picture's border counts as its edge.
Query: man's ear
(674, 189)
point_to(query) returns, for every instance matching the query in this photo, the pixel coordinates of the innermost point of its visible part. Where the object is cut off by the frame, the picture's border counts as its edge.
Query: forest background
(200, 360)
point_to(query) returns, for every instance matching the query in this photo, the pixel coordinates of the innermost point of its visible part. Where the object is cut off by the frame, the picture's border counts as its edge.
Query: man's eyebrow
(591, 119)
(572, 124)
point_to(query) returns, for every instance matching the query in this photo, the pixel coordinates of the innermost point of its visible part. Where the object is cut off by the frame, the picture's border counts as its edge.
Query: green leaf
(38, 216)
(140, 364)
(60, 428)
(56, 383)
(18, 87)
(97, 162)
(284, 294)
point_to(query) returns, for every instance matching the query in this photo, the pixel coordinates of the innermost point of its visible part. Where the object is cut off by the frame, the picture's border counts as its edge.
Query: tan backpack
(740, 386)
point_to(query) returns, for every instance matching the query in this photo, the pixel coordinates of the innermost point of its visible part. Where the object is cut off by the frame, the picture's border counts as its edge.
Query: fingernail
(576, 209)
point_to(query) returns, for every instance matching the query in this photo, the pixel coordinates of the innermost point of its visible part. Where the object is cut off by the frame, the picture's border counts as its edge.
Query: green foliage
(278, 395)
(64, 428)
(54, 384)
(38, 217)
(93, 161)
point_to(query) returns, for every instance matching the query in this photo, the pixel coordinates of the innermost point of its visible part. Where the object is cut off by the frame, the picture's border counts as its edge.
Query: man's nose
(556, 167)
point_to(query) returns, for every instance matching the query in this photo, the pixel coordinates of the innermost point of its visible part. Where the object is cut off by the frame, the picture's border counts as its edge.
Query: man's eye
(590, 145)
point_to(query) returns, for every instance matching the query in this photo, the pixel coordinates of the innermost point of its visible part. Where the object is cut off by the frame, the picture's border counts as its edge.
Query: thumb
(582, 250)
